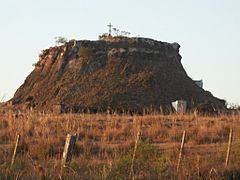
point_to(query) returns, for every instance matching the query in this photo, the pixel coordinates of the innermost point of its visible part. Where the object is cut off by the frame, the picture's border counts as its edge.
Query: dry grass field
(107, 146)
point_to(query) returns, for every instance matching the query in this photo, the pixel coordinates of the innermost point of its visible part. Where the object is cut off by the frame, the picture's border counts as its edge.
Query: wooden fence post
(15, 149)
(68, 150)
(131, 175)
(229, 147)
(181, 149)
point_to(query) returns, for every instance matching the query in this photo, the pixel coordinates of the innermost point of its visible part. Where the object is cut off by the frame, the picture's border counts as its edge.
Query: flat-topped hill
(118, 73)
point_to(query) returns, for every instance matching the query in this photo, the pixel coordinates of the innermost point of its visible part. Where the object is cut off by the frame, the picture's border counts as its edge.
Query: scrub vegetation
(106, 146)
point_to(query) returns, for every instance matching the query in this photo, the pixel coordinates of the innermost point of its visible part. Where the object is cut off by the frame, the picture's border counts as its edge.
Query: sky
(207, 30)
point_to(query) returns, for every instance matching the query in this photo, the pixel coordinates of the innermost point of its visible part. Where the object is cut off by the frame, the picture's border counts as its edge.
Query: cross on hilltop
(110, 29)
(116, 32)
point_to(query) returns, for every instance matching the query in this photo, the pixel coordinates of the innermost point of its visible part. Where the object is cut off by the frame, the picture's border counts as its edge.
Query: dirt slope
(116, 73)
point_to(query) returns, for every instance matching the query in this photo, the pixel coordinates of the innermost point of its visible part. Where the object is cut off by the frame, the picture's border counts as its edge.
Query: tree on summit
(60, 40)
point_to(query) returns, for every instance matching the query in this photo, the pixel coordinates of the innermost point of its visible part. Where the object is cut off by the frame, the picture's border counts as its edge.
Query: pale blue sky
(207, 30)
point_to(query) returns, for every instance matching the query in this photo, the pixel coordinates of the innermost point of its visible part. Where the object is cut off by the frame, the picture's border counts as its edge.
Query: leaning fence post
(131, 175)
(15, 149)
(68, 149)
(181, 149)
(229, 147)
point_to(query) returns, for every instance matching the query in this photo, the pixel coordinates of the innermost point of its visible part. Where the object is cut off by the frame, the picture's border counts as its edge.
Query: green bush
(60, 40)
(148, 164)
(85, 52)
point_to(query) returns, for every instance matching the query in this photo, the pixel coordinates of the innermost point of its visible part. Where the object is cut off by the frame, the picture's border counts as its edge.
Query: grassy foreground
(107, 146)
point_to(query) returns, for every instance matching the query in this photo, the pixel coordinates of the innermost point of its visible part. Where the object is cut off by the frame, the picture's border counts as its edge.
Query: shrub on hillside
(85, 52)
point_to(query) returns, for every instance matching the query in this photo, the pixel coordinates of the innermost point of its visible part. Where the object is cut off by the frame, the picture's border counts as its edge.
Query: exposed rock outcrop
(115, 73)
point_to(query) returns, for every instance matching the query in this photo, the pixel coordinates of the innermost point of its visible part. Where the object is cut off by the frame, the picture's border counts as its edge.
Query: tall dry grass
(106, 144)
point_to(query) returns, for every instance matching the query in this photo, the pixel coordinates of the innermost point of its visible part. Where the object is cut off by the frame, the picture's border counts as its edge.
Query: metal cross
(110, 29)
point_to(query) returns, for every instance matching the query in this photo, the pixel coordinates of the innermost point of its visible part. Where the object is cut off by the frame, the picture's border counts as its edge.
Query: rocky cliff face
(115, 73)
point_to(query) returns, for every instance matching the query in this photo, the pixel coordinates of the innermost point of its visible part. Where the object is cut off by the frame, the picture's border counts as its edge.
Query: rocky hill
(118, 73)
